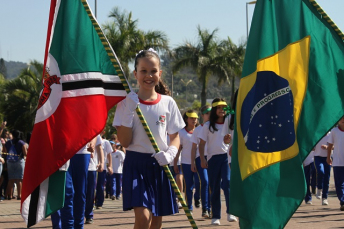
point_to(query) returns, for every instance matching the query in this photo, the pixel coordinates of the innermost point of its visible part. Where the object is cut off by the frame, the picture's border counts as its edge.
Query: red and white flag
(80, 84)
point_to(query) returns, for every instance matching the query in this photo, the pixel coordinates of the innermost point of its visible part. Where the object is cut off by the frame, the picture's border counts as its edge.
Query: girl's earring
(158, 86)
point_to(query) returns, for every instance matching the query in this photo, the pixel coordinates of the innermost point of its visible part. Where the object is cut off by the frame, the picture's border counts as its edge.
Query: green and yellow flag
(289, 97)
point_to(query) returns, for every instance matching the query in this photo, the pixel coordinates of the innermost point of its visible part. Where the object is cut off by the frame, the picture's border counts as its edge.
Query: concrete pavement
(112, 216)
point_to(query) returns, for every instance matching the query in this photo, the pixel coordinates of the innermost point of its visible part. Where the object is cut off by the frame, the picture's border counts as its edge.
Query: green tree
(109, 129)
(233, 57)
(203, 58)
(2, 96)
(3, 69)
(127, 39)
(21, 97)
(196, 105)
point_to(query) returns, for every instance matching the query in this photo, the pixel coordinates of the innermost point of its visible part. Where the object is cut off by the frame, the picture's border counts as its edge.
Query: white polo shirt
(318, 151)
(309, 159)
(163, 117)
(225, 131)
(94, 161)
(185, 141)
(337, 139)
(84, 150)
(215, 146)
(107, 149)
(195, 139)
(117, 161)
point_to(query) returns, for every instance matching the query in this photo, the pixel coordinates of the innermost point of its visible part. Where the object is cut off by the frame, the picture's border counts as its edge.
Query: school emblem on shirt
(162, 119)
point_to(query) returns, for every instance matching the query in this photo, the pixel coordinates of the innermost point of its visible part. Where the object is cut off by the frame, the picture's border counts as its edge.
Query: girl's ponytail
(162, 88)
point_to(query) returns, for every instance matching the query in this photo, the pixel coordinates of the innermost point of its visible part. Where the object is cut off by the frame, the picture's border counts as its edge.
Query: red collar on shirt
(220, 123)
(151, 102)
(340, 129)
(188, 131)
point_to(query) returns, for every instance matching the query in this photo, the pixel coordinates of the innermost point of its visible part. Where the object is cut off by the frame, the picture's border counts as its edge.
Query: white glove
(131, 102)
(165, 158)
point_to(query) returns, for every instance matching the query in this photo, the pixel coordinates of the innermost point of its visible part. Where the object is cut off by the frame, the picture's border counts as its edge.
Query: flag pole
(95, 8)
(327, 18)
(120, 73)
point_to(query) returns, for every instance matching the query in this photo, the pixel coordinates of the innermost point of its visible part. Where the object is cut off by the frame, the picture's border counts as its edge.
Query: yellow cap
(219, 103)
(191, 114)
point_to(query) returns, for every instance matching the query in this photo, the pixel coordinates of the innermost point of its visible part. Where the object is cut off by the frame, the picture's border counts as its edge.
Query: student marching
(146, 188)
(132, 172)
(191, 179)
(217, 159)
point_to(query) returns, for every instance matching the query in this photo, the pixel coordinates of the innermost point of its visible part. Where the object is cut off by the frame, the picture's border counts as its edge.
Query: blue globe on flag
(267, 120)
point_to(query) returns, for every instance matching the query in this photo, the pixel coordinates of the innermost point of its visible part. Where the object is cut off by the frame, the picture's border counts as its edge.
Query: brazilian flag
(291, 93)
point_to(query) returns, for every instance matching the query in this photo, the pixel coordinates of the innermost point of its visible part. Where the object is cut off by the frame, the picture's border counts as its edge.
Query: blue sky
(24, 23)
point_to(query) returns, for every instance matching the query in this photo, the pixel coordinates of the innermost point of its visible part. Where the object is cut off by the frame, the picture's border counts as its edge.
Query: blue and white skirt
(145, 184)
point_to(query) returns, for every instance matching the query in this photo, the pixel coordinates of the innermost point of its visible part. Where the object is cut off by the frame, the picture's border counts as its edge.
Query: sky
(23, 23)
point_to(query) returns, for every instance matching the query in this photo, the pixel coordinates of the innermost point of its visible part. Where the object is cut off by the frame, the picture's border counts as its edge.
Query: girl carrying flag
(146, 188)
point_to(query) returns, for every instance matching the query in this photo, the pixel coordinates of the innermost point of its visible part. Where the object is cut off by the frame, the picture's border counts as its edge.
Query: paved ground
(112, 216)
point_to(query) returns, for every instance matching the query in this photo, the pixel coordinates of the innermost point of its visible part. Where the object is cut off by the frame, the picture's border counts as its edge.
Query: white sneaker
(215, 222)
(231, 218)
(180, 206)
(309, 202)
(324, 202)
(319, 194)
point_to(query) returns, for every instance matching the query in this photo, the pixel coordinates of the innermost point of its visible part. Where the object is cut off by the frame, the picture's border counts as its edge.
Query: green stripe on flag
(86, 51)
(56, 192)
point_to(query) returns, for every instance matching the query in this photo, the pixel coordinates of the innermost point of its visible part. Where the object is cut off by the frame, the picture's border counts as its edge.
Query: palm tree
(127, 40)
(21, 97)
(233, 56)
(202, 57)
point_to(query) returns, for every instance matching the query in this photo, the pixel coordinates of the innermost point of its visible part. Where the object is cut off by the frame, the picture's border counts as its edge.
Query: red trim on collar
(151, 102)
(188, 131)
(220, 123)
(340, 129)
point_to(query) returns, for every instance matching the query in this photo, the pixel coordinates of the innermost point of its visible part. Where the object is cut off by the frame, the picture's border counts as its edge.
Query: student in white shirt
(107, 149)
(227, 133)
(146, 188)
(323, 169)
(97, 158)
(73, 213)
(190, 178)
(336, 141)
(228, 130)
(196, 163)
(307, 167)
(115, 179)
(217, 161)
